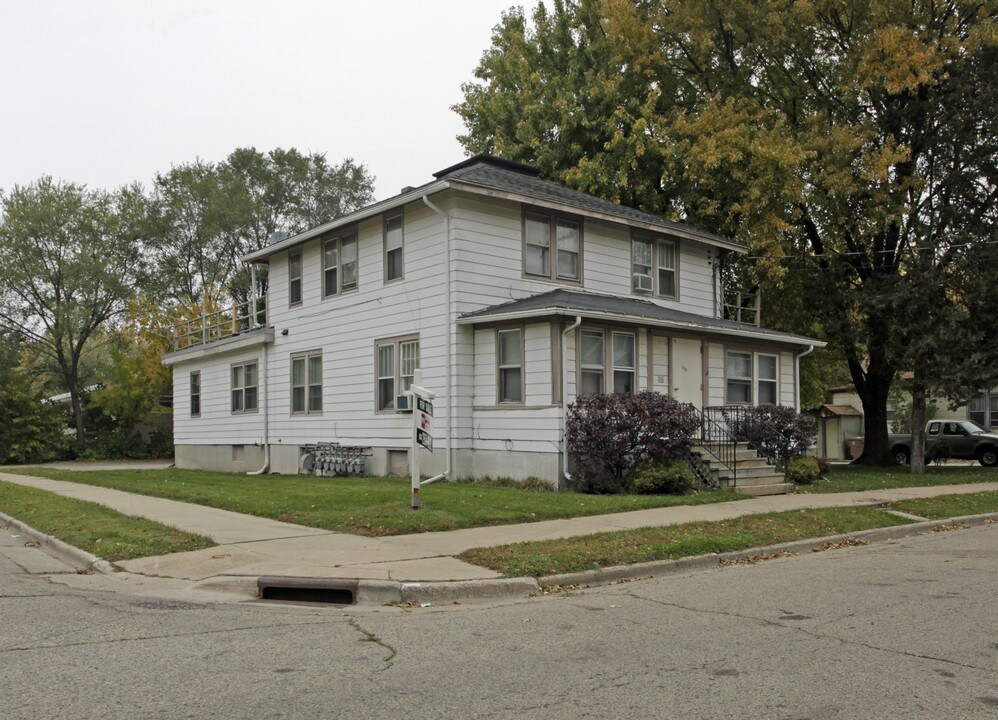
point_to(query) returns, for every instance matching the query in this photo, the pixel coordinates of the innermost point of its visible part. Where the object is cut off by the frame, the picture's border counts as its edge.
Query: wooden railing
(206, 328)
(743, 307)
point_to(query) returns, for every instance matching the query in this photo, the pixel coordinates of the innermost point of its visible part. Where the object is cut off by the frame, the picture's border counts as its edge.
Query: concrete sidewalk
(251, 546)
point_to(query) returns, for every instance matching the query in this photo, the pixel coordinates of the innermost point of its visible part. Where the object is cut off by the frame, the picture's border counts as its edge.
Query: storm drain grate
(325, 591)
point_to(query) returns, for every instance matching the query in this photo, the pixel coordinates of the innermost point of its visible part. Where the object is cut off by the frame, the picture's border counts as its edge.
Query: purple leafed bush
(777, 432)
(609, 435)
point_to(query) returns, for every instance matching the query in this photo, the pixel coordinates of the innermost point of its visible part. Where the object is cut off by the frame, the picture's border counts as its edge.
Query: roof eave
(748, 331)
(690, 233)
(377, 208)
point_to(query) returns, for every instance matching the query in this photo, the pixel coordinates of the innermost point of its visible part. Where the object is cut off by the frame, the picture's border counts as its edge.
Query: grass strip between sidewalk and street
(373, 506)
(850, 478)
(88, 526)
(592, 552)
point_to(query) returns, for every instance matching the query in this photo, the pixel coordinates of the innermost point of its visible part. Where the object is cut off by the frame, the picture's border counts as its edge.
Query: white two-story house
(512, 295)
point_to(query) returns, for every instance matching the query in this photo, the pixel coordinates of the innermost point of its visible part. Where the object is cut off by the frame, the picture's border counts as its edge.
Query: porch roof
(597, 306)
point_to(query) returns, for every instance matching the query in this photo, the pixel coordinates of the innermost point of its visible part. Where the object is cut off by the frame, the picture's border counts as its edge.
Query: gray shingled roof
(565, 301)
(497, 174)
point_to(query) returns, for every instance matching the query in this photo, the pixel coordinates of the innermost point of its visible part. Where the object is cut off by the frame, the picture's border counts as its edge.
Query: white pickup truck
(963, 440)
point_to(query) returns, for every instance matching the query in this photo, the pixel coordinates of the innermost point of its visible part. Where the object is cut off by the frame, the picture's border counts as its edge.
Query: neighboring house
(513, 296)
(840, 420)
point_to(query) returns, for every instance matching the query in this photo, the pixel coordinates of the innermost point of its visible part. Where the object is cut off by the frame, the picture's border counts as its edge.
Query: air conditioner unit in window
(643, 283)
(403, 403)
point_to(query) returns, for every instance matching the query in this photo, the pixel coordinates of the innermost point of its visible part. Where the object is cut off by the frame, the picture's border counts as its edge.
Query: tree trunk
(917, 427)
(873, 387)
(74, 399)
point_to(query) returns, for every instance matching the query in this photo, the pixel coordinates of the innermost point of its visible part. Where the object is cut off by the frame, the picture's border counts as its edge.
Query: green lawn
(948, 506)
(94, 528)
(591, 552)
(845, 478)
(367, 506)
(550, 557)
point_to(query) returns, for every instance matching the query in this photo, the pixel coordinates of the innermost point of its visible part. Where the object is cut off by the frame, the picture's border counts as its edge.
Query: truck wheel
(901, 455)
(988, 457)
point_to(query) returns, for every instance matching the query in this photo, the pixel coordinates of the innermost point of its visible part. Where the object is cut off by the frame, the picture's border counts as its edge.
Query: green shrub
(802, 471)
(664, 477)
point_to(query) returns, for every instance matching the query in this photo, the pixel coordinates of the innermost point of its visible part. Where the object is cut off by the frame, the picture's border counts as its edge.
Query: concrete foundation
(384, 461)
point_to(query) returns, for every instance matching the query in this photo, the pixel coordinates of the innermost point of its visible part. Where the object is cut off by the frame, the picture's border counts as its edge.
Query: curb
(658, 568)
(79, 560)
(390, 592)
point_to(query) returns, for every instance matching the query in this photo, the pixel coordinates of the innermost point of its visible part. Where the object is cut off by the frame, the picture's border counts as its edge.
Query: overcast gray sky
(110, 91)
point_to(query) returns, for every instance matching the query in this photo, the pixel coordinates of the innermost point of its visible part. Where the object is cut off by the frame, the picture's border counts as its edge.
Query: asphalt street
(892, 630)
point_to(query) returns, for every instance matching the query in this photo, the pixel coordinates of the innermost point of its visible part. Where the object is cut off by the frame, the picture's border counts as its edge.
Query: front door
(687, 371)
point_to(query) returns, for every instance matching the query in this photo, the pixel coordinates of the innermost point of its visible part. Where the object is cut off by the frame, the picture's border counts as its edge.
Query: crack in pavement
(369, 636)
(805, 631)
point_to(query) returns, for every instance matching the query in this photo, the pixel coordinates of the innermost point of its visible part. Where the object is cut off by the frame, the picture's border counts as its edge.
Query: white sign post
(422, 426)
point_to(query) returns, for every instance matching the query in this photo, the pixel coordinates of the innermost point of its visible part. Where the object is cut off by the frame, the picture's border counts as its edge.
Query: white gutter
(564, 398)
(797, 375)
(266, 418)
(450, 345)
(746, 332)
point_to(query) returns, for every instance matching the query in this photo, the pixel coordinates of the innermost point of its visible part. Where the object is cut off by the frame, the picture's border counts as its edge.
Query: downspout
(797, 358)
(564, 398)
(263, 400)
(450, 346)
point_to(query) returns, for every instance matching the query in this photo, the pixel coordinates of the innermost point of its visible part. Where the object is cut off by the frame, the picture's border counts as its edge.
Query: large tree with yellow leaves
(841, 139)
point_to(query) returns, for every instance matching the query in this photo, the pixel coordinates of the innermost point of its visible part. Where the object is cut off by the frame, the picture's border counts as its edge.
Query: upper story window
(394, 251)
(294, 277)
(306, 383)
(654, 266)
(509, 357)
(595, 357)
(396, 363)
(244, 387)
(196, 393)
(552, 246)
(751, 378)
(339, 264)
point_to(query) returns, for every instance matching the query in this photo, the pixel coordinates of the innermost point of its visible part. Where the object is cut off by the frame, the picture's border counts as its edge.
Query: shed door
(687, 371)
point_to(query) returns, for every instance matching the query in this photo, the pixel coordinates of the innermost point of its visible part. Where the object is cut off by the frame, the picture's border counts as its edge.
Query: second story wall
(489, 255)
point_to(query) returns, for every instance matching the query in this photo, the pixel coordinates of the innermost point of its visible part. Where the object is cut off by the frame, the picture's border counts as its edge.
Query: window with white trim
(509, 345)
(552, 246)
(624, 367)
(294, 278)
(592, 361)
(339, 264)
(751, 378)
(653, 266)
(394, 251)
(766, 380)
(306, 383)
(196, 393)
(983, 410)
(396, 362)
(244, 387)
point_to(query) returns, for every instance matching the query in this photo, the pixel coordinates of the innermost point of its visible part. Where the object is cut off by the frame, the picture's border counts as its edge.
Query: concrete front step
(773, 489)
(753, 472)
(757, 480)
